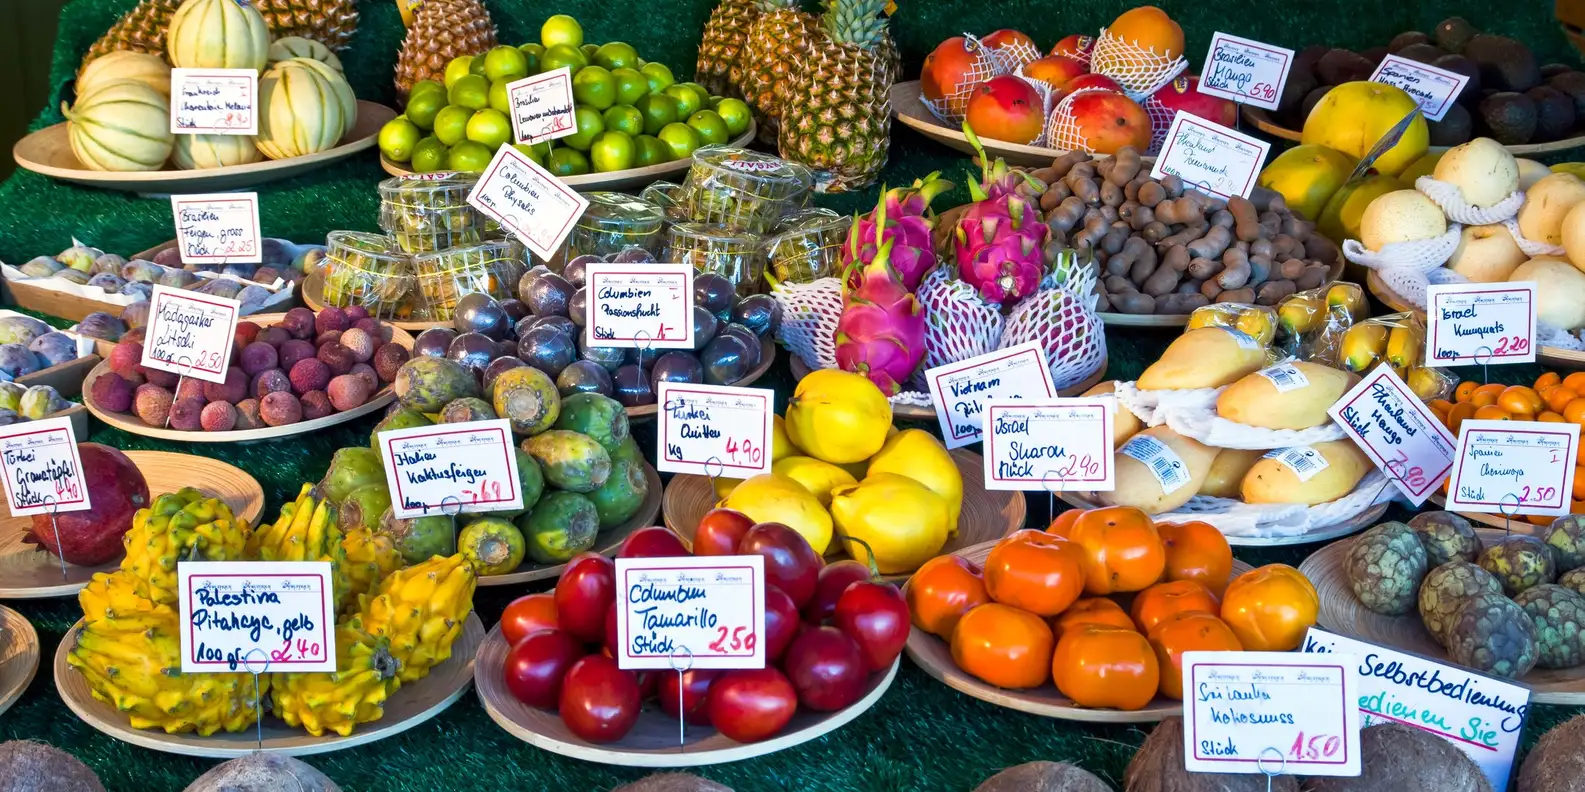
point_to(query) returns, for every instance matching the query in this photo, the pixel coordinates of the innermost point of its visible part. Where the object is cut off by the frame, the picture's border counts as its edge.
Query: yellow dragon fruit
(421, 610)
(110, 594)
(181, 526)
(338, 702)
(999, 242)
(370, 557)
(306, 531)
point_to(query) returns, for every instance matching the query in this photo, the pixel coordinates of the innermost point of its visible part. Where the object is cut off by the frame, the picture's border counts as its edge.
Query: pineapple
(442, 30)
(837, 112)
(141, 30)
(776, 42)
(330, 22)
(724, 36)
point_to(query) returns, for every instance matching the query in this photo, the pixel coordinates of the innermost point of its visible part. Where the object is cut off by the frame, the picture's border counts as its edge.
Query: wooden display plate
(616, 180)
(1341, 613)
(408, 707)
(606, 545)
(1566, 359)
(29, 572)
(935, 656)
(987, 515)
(911, 111)
(1365, 520)
(131, 423)
(49, 151)
(908, 412)
(1262, 120)
(653, 740)
(19, 656)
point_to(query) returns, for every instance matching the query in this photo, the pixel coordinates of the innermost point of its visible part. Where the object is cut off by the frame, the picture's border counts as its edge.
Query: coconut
(27, 766)
(1556, 763)
(1158, 767)
(673, 782)
(1043, 777)
(263, 773)
(1394, 756)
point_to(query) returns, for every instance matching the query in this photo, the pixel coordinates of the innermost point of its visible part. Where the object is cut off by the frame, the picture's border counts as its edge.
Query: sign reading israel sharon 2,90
(1052, 444)
(703, 612)
(256, 616)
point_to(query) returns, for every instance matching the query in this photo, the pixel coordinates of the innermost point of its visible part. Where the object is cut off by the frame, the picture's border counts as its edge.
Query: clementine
(944, 589)
(1106, 667)
(1270, 608)
(1036, 571)
(1004, 646)
(1191, 631)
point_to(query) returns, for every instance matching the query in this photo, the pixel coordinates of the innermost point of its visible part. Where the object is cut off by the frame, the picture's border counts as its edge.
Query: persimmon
(1122, 550)
(1160, 602)
(1270, 608)
(1039, 572)
(1005, 646)
(1197, 551)
(944, 589)
(1190, 631)
(1106, 667)
(1575, 382)
(1092, 610)
(1062, 524)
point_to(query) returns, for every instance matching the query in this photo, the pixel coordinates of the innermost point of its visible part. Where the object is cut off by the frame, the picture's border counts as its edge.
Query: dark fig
(676, 366)
(515, 310)
(578, 307)
(494, 370)
(725, 360)
(474, 350)
(748, 338)
(433, 342)
(548, 295)
(631, 386)
(574, 271)
(547, 349)
(715, 293)
(705, 326)
(610, 357)
(584, 376)
(758, 312)
(479, 313)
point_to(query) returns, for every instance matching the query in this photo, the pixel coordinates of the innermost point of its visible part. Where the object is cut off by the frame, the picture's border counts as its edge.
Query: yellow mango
(1125, 423)
(1137, 482)
(1206, 358)
(1353, 116)
(781, 446)
(772, 498)
(816, 476)
(918, 455)
(1227, 472)
(1271, 480)
(901, 520)
(1257, 401)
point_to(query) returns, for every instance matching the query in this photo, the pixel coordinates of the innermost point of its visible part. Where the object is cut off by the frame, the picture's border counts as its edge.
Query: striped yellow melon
(344, 95)
(299, 47)
(217, 34)
(299, 111)
(195, 152)
(151, 70)
(123, 125)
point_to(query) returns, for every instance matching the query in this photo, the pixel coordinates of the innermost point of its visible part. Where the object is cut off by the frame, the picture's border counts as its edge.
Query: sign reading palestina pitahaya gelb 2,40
(1051, 444)
(256, 616)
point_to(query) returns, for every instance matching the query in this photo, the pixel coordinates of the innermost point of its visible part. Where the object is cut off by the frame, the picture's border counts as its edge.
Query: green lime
(681, 139)
(650, 151)
(710, 126)
(699, 89)
(425, 86)
(451, 123)
(472, 92)
(477, 65)
(498, 97)
(490, 127)
(590, 125)
(595, 87)
(422, 107)
(736, 114)
(589, 50)
(659, 77)
(612, 151)
(543, 150)
(469, 156)
(689, 101)
(630, 86)
(532, 152)
(533, 51)
(567, 162)
(561, 29)
(505, 64)
(624, 118)
(616, 55)
(457, 69)
(659, 110)
(559, 55)
(429, 154)
(398, 137)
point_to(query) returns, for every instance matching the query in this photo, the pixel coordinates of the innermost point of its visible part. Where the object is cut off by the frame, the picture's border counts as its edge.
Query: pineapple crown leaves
(768, 6)
(992, 173)
(857, 22)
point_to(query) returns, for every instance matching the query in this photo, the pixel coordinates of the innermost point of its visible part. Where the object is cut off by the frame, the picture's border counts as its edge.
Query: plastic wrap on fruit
(1430, 384)
(220, 287)
(142, 270)
(1397, 339)
(1256, 321)
(109, 281)
(21, 329)
(41, 267)
(79, 257)
(136, 314)
(73, 276)
(253, 297)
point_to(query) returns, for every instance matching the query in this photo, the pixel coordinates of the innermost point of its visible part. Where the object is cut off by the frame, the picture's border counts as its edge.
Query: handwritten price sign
(542, 106)
(42, 469)
(190, 334)
(1398, 432)
(1254, 712)
(1480, 323)
(219, 229)
(639, 305)
(1514, 467)
(714, 430)
(214, 102)
(253, 616)
(527, 201)
(451, 468)
(1051, 444)
(1433, 89)
(1210, 157)
(1245, 71)
(960, 390)
(677, 613)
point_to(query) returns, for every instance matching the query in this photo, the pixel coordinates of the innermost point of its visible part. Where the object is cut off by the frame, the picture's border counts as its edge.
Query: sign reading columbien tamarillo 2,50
(256, 616)
(42, 468)
(190, 334)
(690, 613)
(451, 469)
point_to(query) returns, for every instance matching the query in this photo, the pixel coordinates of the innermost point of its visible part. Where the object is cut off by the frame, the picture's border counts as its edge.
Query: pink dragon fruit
(904, 219)
(999, 242)
(881, 334)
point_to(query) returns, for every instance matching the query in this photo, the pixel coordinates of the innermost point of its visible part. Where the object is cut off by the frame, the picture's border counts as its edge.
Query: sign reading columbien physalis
(43, 470)
(190, 334)
(535, 206)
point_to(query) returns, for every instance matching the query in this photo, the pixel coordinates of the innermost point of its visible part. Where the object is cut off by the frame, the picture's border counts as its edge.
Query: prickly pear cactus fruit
(1566, 539)
(421, 610)
(1385, 566)
(306, 531)
(356, 693)
(370, 557)
(1493, 635)
(112, 593)
(1559, 617)
(1519, 562)
(1446, 589)
(180, 526)
(1446, 537)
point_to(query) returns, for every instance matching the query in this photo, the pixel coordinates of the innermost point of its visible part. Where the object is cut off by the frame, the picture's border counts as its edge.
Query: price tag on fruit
(451, 469)
(714, 430)
(535, 206)
(647, 306)
(42, 469)
(189, 334)
(218, 229)
(1480, 323)
(703, 612)
(1398, 432)
(1051, 444)
(1514, 467)
(960, 390)
(214, 102)
(1270, 713)
(1210, 157)
(256, 616)
(1433, 89)
(542, 107)
(1245, 71)
(1480, 715)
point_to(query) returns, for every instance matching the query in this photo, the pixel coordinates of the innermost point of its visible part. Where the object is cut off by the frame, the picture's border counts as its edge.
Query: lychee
(218, 416)
(348, 391)
(280, 408)
(309, 374)
(152, 404)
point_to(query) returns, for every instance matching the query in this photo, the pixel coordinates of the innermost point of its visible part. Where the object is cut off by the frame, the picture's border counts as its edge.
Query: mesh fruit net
(1531, 247)
(809, 314)
(952, 106)
(1070, 333)
(958, 324)
(1451, 199)
(1014, 55)
(1139, 71)
(1405, 266)
(1062, 130)
(1160, 122)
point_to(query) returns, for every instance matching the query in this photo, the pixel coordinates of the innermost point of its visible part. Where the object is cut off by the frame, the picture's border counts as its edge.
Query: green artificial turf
(922, 736)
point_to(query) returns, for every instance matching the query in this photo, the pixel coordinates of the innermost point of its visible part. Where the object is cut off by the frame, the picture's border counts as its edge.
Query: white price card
(1480, 715)
(1210, 157)
(43, 471)
(256, 616)
(647, 306)
(1245, 71)
(1270, 712)
(542, 107)
(961, 389)
(1514, 467)
(190, 334)
(706, 612)
(214, 102)
(1398, 432)
(535, 206)
(451, 469)
(1051, 444)
(1480, 323)
(714, 430)
(222, 228)
(1433, 89)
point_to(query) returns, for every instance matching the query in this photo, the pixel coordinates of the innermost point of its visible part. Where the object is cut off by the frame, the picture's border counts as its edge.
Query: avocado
(1339, 66)
(1551, 70)
(1423, 53)
(1453, 33)
(1511, 117)
(1299, 85)
(1505, 64)
(1407, 38)
(1306, 59)
(1554, 113)
(1311, 99)
(1573, 85)
(1455, 128)
(1375, 54)
(1459, 64)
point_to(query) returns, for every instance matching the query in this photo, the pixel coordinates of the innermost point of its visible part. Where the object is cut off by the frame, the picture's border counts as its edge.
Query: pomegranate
(116, 490)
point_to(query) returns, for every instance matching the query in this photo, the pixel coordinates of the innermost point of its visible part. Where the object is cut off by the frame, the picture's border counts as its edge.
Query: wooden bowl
(908, 412)
(607, 543)
(19, 656)
(131, 423)
(410, 706)
(1341, 613)
(934, 656)
(910, 109)
(48, 151)
(27, 571)
(1363, 520)
(1261, 119)
(653, 741)
(987, 515)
